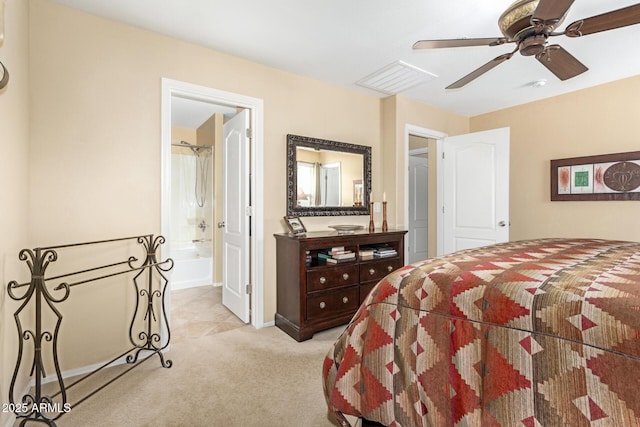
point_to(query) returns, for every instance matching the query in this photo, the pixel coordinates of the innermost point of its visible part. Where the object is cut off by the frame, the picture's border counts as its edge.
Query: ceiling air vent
(395, 78)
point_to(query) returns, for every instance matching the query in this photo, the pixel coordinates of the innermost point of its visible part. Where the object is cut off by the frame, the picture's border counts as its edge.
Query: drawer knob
(322, 304)
(345, 300)
(372, 271)
(390, 268)
(323, 280)
(345, 276)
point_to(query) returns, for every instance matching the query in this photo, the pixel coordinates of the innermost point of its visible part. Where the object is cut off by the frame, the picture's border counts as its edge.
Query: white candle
(384, 197)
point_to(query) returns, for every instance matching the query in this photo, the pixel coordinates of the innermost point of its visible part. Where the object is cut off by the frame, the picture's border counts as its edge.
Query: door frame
(410, 129)
(256, 106)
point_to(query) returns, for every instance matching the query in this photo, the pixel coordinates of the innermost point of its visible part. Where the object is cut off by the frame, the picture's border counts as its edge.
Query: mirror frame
(295, 141)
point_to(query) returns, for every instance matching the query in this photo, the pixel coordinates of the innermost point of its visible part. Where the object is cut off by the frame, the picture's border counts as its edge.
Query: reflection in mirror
(327, 177)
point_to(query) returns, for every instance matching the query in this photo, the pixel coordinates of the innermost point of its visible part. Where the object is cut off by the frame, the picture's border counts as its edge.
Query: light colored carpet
(238, 377)
(196, 312)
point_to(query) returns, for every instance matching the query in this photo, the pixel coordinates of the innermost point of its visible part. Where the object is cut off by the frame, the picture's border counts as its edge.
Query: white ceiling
(191, 114)
(342, 41)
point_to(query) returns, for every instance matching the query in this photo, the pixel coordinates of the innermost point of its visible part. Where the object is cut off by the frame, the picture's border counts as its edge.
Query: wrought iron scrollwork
(37, 260)
(152, 336)
(151, 299)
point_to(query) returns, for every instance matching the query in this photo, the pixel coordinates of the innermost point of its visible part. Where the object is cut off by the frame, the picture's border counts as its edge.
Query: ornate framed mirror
(327, 177)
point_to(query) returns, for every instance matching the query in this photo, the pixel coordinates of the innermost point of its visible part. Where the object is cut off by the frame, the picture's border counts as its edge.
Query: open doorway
(418, 195)
(180, 95)
(196, 200)
(423, 180)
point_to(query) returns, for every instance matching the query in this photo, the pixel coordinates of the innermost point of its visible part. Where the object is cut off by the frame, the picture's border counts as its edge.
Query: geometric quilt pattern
(533, 333)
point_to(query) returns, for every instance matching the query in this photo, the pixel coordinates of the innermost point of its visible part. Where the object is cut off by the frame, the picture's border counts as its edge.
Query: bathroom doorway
(197, 231)
(195, 195)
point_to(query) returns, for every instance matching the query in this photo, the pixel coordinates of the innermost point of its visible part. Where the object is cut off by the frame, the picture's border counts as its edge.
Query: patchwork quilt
(532, 333)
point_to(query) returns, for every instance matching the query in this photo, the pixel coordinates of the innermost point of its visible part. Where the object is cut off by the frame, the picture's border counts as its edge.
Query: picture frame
(600, 177)
(295, 225)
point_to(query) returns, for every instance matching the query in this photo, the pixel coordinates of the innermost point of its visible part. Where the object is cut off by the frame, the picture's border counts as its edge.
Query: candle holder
(385, 227)
(371, 225)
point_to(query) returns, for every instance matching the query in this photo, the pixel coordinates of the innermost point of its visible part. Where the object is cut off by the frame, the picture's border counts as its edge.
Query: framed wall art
(602, 177)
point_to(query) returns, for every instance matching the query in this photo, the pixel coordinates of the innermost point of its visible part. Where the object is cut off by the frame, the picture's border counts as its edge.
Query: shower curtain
(185, 210)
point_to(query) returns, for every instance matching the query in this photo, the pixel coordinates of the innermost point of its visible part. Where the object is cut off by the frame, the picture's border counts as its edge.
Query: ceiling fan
(528, 24)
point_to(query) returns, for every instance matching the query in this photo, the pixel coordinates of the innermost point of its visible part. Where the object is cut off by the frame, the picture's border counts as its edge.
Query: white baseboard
(268, 324)
(79, 371)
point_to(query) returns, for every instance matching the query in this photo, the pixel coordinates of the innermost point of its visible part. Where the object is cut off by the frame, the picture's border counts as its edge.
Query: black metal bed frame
(36, 407)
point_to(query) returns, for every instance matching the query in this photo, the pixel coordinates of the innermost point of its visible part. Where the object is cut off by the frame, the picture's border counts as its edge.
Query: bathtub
(193, 264)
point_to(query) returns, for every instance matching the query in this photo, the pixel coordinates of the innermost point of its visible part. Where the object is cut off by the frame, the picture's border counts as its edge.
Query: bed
(532, 333)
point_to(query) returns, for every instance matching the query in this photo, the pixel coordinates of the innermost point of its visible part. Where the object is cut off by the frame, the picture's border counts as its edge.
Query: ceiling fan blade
(560, 62)
(436, 44)
(607, 21)
(550, 11)
(480, 71)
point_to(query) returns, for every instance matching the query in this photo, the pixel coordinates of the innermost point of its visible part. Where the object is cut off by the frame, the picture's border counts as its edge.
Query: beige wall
(218, 213)
(398, 112)
(599, 120)
(183, 134)
(14, 180)
(96, 127)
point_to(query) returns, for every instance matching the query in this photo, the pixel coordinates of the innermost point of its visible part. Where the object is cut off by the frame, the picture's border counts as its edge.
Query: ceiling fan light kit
(538, 83)
(529, 24)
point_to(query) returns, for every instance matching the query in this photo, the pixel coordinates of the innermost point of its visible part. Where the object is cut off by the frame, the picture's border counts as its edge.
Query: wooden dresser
(313, 294)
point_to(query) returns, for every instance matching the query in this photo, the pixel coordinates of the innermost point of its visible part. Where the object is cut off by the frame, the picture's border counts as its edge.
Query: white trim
(440, 197)
(84, 370)
(418, 151)
(256, 107)
(410, 129)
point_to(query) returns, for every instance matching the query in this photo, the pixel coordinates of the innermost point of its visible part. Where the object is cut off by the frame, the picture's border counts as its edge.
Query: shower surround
(191, 241)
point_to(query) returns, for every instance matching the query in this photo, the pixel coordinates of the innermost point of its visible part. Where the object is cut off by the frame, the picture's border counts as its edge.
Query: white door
(330, 185)
(236, 219)
(476, 189)
(418, 208)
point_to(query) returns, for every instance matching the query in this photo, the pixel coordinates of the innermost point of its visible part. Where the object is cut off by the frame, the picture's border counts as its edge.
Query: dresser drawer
(329, 304)
(366, 288)
(327, 278)
(376, 270)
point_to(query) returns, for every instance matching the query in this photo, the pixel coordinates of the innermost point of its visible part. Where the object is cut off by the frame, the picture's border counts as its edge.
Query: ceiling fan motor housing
(533, 45)
(515, 22)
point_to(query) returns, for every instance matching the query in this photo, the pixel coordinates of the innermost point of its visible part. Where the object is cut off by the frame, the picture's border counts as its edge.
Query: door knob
(221, 224)
(502, 223)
